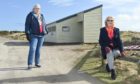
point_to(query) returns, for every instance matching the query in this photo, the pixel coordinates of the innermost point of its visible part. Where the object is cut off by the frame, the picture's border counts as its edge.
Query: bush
(4, 32)
(134, 41)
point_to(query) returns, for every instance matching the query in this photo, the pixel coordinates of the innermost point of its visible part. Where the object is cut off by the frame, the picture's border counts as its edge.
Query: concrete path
(57, 65)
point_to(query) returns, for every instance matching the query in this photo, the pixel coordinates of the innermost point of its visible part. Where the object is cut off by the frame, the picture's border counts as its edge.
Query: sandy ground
(57, 65)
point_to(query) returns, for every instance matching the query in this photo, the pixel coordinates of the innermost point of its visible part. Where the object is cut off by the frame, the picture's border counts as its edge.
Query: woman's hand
(123, 53)
(28, 37)
(107, 49)
(111, 44)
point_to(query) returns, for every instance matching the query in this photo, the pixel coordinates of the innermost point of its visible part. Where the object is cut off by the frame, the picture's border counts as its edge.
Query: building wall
(92, 25)
(80, 17)
(84, 27)
(74, 35)
(51, 36)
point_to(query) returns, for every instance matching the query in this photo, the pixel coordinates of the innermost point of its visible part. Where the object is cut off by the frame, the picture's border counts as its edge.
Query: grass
(16, 35)
(127, 72)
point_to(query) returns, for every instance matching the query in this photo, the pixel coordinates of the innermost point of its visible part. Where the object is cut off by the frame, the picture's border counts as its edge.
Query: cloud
(13, 5)
(64, 3)
(129, 20)
(126, 13)
(115, 3)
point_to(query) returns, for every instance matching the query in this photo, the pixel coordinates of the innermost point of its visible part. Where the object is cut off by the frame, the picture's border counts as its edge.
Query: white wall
(74, 35)
(92, 25)
(83, 28)
(51, 36)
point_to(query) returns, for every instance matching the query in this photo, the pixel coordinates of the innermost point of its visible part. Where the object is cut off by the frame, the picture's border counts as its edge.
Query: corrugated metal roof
(60, 20)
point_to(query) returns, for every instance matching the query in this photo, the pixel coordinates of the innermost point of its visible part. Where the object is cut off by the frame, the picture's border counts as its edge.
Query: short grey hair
(37, 6)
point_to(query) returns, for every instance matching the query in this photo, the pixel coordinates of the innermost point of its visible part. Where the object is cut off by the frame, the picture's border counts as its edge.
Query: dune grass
(127, 72)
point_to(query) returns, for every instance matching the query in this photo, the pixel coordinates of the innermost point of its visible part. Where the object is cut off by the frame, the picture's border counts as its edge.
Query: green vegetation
(130, 38)
(16, 35)
(126, 70)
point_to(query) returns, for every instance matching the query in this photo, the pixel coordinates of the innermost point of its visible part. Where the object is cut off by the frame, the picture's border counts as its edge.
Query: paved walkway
(57, 65)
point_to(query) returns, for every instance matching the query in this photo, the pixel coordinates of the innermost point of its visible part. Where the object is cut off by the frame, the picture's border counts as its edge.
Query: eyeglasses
(37, 8)
(110, 20)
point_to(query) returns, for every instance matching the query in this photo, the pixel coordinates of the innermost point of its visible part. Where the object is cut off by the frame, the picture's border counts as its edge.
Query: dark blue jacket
(32, 25)
(105, 41)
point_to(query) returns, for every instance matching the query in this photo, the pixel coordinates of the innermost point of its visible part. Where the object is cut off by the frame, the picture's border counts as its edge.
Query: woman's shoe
(113, 74)
(37, 65)
(29, 67)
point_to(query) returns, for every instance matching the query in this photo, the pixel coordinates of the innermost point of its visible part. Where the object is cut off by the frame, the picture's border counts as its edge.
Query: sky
(13, 12)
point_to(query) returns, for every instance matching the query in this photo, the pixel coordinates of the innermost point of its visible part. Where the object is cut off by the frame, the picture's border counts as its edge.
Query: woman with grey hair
(35, 31)
(111, 44)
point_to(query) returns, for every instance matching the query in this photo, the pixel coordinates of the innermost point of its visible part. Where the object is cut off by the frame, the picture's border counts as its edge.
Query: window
(65, 29)
(52, 29)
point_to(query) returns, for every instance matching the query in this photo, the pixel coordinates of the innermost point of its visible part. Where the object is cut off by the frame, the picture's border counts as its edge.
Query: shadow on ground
(13, 69)
(14, 43)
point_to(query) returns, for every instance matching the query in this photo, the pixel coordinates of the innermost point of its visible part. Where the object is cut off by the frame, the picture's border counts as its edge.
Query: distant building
(82, 27)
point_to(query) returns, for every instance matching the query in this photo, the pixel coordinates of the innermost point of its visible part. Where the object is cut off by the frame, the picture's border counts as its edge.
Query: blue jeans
(36, 43)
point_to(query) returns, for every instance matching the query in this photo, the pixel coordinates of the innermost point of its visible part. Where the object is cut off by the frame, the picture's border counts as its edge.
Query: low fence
(132, 47)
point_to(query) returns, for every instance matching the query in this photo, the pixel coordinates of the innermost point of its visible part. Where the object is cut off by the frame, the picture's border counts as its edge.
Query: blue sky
(13, 12)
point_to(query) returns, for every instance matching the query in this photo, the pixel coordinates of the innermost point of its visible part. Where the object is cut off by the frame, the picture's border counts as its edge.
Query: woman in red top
(35, 29)
(111, 44)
